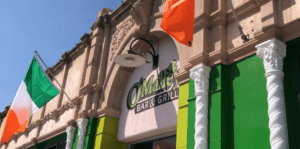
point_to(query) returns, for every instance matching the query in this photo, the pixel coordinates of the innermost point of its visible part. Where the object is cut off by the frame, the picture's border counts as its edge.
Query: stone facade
(95, 84)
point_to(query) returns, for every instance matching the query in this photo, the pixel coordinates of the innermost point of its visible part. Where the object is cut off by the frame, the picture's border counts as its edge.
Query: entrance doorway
(163, 143)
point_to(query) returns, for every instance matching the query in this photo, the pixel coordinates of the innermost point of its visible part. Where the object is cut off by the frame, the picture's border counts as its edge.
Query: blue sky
(49, 26)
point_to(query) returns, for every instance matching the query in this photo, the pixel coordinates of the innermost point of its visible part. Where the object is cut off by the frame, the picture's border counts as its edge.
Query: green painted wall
(291, 65)
(238, 110)
(191, 116)
(246, 84)
(90, 134)
(181, 131)
(106, 134)
(75, 139)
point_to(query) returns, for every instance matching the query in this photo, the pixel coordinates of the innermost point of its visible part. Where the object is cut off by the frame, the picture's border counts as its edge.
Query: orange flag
(178, 20)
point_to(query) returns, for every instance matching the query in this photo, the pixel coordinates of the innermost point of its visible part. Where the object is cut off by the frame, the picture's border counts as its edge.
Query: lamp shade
(129, 60)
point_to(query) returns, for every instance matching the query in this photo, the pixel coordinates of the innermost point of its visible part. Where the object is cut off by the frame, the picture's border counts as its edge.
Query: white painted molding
(82, 124)
(200, 75)
(273, 52)
(70, 136)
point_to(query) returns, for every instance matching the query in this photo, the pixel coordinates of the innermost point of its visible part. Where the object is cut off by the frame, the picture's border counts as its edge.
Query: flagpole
(61, 89)
(243, 36)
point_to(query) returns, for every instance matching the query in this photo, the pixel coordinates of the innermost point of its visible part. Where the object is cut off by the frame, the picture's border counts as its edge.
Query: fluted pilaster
(272, 52)
(200, 75)
(82, 123)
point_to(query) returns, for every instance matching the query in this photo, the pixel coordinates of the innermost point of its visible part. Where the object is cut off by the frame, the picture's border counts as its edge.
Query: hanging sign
(152, 93)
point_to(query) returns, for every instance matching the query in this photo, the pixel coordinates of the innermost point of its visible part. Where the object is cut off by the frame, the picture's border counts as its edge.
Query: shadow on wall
(213, 88)
(221, 84)
(230, 73)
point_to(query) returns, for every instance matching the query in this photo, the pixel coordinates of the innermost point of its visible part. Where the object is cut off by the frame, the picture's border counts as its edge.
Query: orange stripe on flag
(178, 20)
(22, 127)
(10, 127)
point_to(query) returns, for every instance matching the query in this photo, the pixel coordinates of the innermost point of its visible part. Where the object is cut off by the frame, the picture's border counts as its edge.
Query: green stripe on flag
(38, 86)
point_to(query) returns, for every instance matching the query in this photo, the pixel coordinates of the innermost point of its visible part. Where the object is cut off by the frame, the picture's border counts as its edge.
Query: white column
(200, 75)
(82, 123)
(272, 52)
(70, 136)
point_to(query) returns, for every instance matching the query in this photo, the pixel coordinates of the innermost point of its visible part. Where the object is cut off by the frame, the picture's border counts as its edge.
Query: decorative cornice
(70, 136)
(82, 124)
(37, 123)
(98, 23)
(182, 77)
(107, 111)
(72, 123)
(86, 89)
(121, 11)
(107, 20)
(53, 115)
(83, 114)
(201, 21)
(97, 88)
(272, 52)
(140, 11)
(66, 57)
(200, 75)
(34, 141)
(218, 18)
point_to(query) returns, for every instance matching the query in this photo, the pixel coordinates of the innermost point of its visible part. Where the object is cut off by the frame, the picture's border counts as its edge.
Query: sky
(49, 26)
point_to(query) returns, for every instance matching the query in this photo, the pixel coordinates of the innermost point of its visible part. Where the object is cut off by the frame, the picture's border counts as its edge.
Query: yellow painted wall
(181, 134)
(106, 134)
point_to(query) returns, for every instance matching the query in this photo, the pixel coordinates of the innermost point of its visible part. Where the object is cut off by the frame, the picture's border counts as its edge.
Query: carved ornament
(140, 11)
(200, 75)
(119, 35)
(272, 52)
(98, 23)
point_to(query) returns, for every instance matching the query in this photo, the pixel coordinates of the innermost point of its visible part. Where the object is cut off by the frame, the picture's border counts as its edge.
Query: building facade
(219, 93)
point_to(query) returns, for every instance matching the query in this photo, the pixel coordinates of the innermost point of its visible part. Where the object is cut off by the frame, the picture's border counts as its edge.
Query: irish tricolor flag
(34, 92)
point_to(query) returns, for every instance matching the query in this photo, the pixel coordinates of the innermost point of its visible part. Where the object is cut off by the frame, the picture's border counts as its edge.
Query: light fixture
(133, 60)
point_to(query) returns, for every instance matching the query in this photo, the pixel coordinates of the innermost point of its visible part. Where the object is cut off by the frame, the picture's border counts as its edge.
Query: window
(61, 144)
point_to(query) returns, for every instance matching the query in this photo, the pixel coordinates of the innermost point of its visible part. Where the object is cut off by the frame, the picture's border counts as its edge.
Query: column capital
(200, 75)
(70, 129)
(273, 52)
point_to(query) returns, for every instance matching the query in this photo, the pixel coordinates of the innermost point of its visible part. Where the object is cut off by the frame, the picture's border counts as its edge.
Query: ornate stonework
(200, 75)
(272, 52)
(98, 23)
(119, 35)
(70, 136)
(82, 123)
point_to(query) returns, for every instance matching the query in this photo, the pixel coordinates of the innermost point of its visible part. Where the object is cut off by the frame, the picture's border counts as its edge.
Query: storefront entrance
(164, 143)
